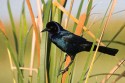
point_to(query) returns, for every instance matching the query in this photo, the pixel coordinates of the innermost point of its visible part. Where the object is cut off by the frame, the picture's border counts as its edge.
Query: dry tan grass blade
(35, 29)
(2, 28)
(112, 71)
(118, 78)
(75, 20)
(80, 25)
(102, 33)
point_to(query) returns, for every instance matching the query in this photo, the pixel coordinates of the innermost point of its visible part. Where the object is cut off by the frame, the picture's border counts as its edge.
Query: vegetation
(49, 57)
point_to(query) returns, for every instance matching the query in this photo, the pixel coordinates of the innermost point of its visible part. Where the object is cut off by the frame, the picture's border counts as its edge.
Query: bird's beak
(44, 30)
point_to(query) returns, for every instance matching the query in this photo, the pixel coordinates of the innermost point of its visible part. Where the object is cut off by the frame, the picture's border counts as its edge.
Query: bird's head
(52, 27)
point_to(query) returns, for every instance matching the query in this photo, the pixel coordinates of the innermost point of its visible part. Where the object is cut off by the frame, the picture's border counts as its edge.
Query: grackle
(71, 43)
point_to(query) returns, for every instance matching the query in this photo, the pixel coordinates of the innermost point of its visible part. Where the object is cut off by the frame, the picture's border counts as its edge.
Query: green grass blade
(21, 49)
(20, 80)
(85, 71)
(13, 56)
(13, 25)
(61, 15)
(117, 42)
(87, 63)
(43, 49)
(101, 26)
(78, 14)
(15, 41)
(9, 48)
(58, 53)
(42, 69)
(52, 64)
(53, 52)
(47, 13)
(99, 32)
(43, 2)
(71, 73)
(23, 29)
(88, 11)
(119, 31)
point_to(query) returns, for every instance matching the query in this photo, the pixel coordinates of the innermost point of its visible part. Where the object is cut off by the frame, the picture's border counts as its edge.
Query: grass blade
(43, 47)
(43, 2)
(13, 25)
(71, 5)
(67, 58)
(23, 29)
(88, 11)
(13, 56)
(80, 25)
(54, 52)
(20, 80)
(78, 13)
(103, 30)
(119, 31)
(112, 71)
(75, 20)
(119, 77)
(15, 40)
(2, 29)
(117, 42)
(35, 29)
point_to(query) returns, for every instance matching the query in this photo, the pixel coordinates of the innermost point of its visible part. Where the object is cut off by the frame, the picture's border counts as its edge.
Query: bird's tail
(107, 50)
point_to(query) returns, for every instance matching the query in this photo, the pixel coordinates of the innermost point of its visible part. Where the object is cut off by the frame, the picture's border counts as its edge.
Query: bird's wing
(72, 38)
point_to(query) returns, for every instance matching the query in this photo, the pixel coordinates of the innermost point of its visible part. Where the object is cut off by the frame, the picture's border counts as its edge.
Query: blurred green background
(103, 65)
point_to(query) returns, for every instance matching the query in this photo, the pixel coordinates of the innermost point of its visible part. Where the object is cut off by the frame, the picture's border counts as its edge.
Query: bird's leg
(66, 69)
(62, 63)
(63, 60)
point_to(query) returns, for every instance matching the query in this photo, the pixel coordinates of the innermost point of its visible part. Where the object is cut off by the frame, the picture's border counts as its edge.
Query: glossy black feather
(71, 43)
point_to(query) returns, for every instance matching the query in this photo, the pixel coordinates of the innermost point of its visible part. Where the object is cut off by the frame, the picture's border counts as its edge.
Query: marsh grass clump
(45, 59)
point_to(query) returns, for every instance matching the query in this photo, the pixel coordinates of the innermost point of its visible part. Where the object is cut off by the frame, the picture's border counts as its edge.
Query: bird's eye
(54, 28)
(50, 27)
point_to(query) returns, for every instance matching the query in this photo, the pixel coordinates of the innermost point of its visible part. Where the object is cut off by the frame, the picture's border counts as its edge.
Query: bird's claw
(62, 71)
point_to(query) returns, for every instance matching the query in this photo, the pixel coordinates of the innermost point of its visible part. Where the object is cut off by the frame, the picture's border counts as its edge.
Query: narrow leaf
(13, 25)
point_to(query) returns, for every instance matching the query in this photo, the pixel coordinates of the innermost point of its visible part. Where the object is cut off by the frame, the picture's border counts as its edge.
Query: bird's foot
(63, 71)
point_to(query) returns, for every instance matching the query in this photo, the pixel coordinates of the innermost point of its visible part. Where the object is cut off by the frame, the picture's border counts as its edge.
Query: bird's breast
(59, 42)
(69, 48)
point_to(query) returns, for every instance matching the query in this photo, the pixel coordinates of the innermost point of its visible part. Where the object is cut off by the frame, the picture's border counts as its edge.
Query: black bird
(71, 43)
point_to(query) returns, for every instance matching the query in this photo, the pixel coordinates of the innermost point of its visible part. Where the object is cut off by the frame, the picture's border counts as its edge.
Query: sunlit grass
(47, 57)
